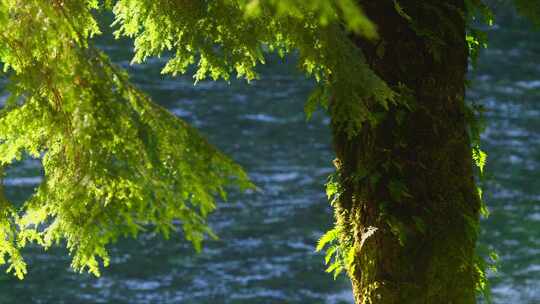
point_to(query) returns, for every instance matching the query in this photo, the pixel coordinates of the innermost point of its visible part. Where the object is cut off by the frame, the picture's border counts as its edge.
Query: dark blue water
(266, 249)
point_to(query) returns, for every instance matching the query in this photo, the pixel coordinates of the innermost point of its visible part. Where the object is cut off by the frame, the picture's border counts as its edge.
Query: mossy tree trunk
(411, 175)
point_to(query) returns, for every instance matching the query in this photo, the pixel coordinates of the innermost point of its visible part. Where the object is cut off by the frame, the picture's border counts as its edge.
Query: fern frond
(327, 238)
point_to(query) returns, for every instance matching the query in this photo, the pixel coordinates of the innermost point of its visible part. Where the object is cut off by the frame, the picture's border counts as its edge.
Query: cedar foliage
(114, 160)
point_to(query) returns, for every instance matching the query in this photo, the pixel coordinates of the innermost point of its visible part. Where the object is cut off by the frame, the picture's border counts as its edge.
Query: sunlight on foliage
(340, 247)
(226, 37)
(115, 163)
(479, 158)
(478, 14)
(326, 12)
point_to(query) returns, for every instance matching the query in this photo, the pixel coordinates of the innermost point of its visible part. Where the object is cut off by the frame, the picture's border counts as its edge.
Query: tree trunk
(411, 175)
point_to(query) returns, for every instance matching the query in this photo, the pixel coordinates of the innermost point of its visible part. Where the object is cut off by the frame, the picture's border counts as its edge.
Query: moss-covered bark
(411, 175)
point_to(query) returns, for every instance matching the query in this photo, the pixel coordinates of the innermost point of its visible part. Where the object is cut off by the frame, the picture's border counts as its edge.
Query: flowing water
(266, 249)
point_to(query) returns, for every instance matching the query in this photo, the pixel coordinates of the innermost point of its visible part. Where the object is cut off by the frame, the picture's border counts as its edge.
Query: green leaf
(327, 238)
(330, 252)
(480, 158)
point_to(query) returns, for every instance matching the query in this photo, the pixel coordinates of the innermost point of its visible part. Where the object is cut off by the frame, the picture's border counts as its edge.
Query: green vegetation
(113, 159)
(116, 163)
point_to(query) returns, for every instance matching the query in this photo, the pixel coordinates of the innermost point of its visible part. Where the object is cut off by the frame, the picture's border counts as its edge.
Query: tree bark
(411, 175)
